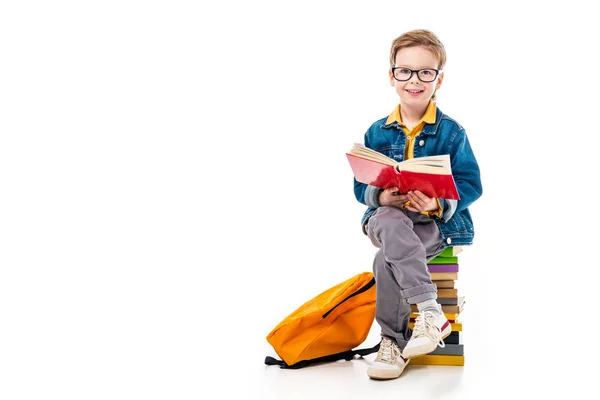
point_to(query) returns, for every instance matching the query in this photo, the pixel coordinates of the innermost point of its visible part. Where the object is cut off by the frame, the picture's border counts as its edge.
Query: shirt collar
(428, 117)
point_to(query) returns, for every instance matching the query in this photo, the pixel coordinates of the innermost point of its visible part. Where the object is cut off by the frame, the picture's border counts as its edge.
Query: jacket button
(448, 240)
(421, 142)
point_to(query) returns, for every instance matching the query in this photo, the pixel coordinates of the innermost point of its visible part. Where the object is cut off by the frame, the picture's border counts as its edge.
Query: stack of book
(444, 274)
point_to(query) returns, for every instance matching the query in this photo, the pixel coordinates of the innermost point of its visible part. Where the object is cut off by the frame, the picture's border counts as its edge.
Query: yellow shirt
(411, 136)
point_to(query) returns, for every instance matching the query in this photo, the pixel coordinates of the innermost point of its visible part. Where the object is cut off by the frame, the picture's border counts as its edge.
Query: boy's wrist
(372, 194)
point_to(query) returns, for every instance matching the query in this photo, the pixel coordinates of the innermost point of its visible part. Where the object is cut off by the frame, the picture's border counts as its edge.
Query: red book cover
(384, 176)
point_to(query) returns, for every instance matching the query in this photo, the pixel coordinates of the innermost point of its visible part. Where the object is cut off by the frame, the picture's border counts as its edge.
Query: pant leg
(407, 241)
(392, 312)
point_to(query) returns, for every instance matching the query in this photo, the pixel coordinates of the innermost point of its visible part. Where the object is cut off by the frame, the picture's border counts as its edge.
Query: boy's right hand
(392, 197)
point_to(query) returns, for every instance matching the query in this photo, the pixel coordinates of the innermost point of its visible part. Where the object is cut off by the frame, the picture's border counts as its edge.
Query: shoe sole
(421, 353)
(382, 375)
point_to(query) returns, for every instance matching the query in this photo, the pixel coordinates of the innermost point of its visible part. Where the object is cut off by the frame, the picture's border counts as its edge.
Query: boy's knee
(390, 213)
(387, 220)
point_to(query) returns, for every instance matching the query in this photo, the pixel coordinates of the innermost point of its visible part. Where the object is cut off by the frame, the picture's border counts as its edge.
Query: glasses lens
(427, 75)
(402, 74)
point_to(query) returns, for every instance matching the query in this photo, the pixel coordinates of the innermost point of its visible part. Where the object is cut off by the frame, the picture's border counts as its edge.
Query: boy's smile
(414, 92)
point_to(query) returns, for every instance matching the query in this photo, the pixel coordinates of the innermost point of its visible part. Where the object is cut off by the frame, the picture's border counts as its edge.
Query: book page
(361, 150)
(433, 160)
(426, 169)
(430, 164)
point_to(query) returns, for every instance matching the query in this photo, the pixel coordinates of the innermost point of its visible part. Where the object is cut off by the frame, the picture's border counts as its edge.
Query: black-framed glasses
(403, 74)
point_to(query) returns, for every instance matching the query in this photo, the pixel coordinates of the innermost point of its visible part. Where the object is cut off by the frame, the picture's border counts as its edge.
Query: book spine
(438, 360)
(442, 267)
(449, 350)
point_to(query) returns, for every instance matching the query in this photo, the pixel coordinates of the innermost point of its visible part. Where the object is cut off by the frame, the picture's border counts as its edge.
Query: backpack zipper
(361, 290)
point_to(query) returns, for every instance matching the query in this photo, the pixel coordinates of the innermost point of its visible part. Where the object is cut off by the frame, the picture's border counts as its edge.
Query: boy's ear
(392, 80)
(439, 81)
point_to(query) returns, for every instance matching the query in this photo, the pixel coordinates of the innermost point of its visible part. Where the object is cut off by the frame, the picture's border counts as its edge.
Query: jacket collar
(431, 118)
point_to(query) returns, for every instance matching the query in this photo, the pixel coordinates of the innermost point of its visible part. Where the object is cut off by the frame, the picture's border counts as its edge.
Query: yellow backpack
(327, 327)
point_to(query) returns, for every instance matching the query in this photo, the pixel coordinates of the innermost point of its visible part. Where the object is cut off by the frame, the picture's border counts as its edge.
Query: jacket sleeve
(367, 194)
(465, 171)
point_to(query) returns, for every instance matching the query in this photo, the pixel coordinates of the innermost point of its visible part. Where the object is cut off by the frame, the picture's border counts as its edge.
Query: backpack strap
(345, 355)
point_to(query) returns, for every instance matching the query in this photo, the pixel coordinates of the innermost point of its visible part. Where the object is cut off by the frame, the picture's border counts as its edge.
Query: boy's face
(414, 92)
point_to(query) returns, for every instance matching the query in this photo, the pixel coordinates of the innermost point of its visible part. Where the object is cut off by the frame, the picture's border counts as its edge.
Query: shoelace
(388, 352)
(425, 326)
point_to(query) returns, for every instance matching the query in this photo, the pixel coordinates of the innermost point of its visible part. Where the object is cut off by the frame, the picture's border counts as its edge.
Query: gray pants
(406, 242)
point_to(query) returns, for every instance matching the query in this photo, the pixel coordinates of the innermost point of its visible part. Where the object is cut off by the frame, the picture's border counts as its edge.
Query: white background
(173, 184)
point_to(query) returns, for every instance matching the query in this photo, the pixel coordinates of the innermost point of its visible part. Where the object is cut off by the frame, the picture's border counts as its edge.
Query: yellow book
(451, 317)
(438, 360)
(456, 326)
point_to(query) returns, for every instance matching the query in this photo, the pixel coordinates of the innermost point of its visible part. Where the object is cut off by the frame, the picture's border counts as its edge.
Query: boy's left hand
(420, 202)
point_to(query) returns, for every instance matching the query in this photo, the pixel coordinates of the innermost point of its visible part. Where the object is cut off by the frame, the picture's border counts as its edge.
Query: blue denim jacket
(445, 136)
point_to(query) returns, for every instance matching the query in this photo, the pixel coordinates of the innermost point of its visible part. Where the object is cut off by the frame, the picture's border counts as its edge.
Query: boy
(410, 228)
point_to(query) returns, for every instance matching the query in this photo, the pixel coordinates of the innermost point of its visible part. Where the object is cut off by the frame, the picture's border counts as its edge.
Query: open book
(431, 175)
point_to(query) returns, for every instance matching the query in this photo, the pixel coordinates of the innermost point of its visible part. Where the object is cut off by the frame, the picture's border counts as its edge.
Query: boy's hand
(420, 202)
(392, 197)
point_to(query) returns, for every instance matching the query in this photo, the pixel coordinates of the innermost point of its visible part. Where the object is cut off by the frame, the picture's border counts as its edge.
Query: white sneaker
(429, 332)
(389, 362)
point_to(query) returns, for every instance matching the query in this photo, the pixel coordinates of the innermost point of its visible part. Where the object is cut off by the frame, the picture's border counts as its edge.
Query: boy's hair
(419, 37)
